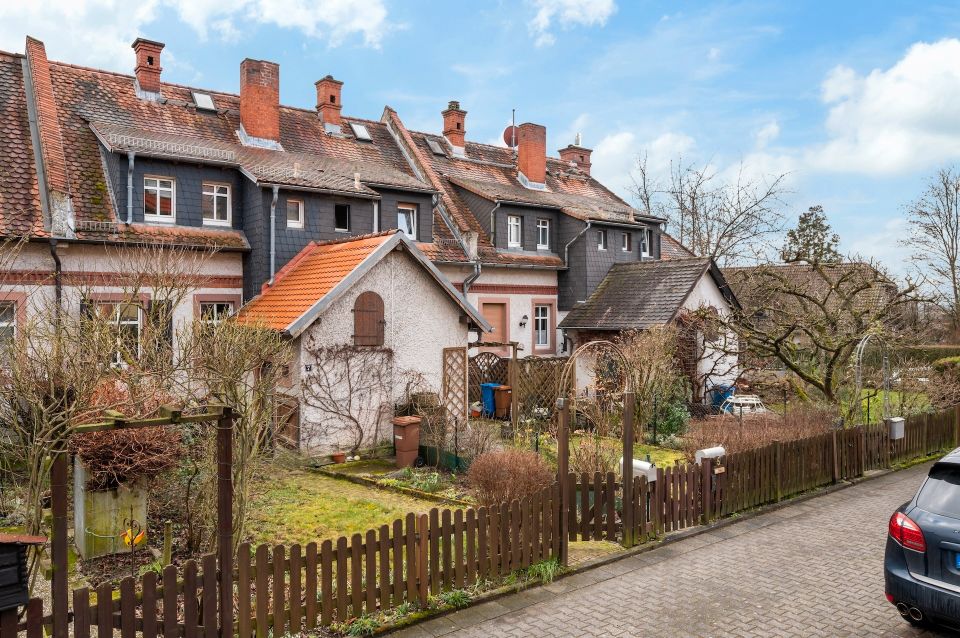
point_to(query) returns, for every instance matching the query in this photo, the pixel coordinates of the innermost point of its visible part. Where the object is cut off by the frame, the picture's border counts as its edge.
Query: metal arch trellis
(884, 368)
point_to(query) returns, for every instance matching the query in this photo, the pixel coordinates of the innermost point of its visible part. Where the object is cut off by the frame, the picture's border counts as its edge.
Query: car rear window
(940, 494)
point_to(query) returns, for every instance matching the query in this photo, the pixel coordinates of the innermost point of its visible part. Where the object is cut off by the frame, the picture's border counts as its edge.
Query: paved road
(811, 569)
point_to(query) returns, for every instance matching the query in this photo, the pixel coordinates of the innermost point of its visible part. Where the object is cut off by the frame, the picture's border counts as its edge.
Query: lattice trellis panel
(486, 367)
(538, 386)
(455, 391)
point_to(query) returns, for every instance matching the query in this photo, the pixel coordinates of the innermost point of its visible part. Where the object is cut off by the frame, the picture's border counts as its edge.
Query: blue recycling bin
(721, 393)
(487, 398)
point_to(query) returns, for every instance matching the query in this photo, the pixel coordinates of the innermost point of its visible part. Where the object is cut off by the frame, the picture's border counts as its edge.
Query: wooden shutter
(368, 320)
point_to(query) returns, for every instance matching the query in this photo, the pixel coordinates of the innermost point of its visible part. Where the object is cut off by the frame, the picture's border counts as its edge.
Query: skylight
(360, 131)
(435, 147)
(203, 101)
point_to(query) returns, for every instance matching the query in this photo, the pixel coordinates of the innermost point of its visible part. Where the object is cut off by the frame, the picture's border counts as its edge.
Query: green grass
(661, 456)
(916, 401)
(297, 506)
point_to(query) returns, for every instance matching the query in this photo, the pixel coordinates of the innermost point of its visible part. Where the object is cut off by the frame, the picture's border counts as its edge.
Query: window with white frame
(646, 237)
(294, 213)
(159, 201)
(127, 320)
(215, 204)
(543, 234)
(215, 311)
(8, 323)
(376, 217)
(341, 218)
(626, 242)
(514, 230)
(541, 325)
(407, 220)
(601, 240)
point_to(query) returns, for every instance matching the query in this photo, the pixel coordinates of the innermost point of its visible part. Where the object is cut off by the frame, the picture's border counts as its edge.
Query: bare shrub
(115, 457)
(478, 437)
(506, 475)
(595, 454)
(756, 431)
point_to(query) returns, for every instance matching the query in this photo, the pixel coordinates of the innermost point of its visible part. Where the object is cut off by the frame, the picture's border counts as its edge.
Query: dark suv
(922, 562)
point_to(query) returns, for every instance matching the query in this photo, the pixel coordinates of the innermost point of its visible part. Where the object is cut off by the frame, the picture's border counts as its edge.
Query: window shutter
(368, 320)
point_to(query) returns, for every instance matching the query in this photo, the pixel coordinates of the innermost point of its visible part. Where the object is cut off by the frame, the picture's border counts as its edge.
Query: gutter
(566, 249)
(130, 157)
(273, 233)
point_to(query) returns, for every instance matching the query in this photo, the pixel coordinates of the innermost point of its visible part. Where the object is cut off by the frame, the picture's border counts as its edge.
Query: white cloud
(567, 13)
(615, 157)
(895, 120)
(767, 133)
(99, 32)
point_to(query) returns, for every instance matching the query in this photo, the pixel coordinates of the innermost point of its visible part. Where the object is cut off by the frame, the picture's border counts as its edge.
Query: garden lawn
(300, 506)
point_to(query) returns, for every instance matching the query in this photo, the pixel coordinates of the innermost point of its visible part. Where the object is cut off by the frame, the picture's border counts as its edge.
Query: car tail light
(889, 597)
(906, 532)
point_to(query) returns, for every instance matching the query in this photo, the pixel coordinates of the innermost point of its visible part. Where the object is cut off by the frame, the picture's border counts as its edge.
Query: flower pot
(339, 457)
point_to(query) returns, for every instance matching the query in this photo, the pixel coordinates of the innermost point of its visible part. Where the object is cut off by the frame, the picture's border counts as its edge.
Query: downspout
(472, 277)
(57, 281)
(566, 249)
(130, 156)
(273, 233)
(493, 223)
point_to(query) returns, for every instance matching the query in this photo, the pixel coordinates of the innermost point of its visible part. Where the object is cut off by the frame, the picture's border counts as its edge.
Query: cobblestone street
(811, 569)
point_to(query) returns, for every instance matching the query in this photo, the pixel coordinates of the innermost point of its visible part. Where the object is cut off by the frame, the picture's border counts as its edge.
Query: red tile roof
(307, 278)
(670, 248)
(20, 212)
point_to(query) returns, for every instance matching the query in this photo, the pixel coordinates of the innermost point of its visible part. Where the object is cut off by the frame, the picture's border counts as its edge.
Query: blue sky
(859, 101)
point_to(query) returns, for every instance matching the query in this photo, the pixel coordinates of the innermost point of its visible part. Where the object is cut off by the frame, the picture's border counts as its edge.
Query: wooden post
(836, 456)
(8, 623)
(225, 518)
(167, 555)
(627, 538)
(58, 543)
(421, 576)
(563, 465)
(777, 465)
(706, 490)
(512, 377)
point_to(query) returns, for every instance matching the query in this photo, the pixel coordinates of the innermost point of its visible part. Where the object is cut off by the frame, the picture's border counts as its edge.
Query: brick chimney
(454, 124)
(148, 64)
(328, 101)
(260, 99)
(578, 155)
(532, 153)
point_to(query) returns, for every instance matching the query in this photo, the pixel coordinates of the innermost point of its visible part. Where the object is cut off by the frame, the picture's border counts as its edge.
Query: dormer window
(601, 240)
(514, 234)
(215, 204)
(407, 220)
(646, 242)
(159, 200)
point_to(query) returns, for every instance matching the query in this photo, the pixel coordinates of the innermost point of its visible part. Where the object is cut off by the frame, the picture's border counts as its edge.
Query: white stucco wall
(519, 303)
(420, 321)
(718, 363)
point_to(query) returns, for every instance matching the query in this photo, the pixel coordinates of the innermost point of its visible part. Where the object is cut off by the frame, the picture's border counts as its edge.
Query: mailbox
(642, 468)
(14, 585)
(709, 453)
(895, 424)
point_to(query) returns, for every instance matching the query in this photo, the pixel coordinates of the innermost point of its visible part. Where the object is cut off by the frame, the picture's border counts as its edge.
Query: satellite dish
(510, 136)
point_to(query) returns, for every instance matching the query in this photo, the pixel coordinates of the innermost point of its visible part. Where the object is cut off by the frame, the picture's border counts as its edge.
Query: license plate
(956, 560)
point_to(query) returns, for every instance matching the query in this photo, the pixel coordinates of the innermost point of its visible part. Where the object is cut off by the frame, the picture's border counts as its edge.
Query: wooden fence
(284, 590)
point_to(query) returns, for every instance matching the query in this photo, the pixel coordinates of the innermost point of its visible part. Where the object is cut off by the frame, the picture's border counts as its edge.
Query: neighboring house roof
(753, 283)
(640, 295)
(19, 188)
(670, 248)
(323, 271)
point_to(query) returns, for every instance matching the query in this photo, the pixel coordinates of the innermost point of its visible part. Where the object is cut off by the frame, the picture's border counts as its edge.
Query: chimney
(532, 154)
(328, 102)
(148, 64)
(260, 99)
(577, 154)
(454, 124)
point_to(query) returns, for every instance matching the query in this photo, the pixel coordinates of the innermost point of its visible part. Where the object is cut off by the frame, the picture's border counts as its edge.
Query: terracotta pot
(339, 457)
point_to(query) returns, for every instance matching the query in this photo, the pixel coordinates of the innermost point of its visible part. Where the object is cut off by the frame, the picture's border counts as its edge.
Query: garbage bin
(406, 439)
(502, 396)
(486, 398)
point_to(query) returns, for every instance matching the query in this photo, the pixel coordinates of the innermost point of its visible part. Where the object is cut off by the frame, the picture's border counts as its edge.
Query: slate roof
(322, 271)
(640, 295)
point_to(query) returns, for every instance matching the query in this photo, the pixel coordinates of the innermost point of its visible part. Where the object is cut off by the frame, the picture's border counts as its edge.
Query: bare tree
(350, 387)
(934, 220)
(810, 317)
(730, 221)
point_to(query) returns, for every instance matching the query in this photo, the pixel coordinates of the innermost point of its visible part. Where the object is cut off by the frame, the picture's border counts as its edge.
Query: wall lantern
(523, 321)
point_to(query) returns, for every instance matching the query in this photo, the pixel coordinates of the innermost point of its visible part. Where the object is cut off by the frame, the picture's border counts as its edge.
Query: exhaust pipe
(916, 614)
(903, 609)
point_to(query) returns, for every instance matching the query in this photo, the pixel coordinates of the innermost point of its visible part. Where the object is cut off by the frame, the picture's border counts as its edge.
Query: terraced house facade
(93, 160)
